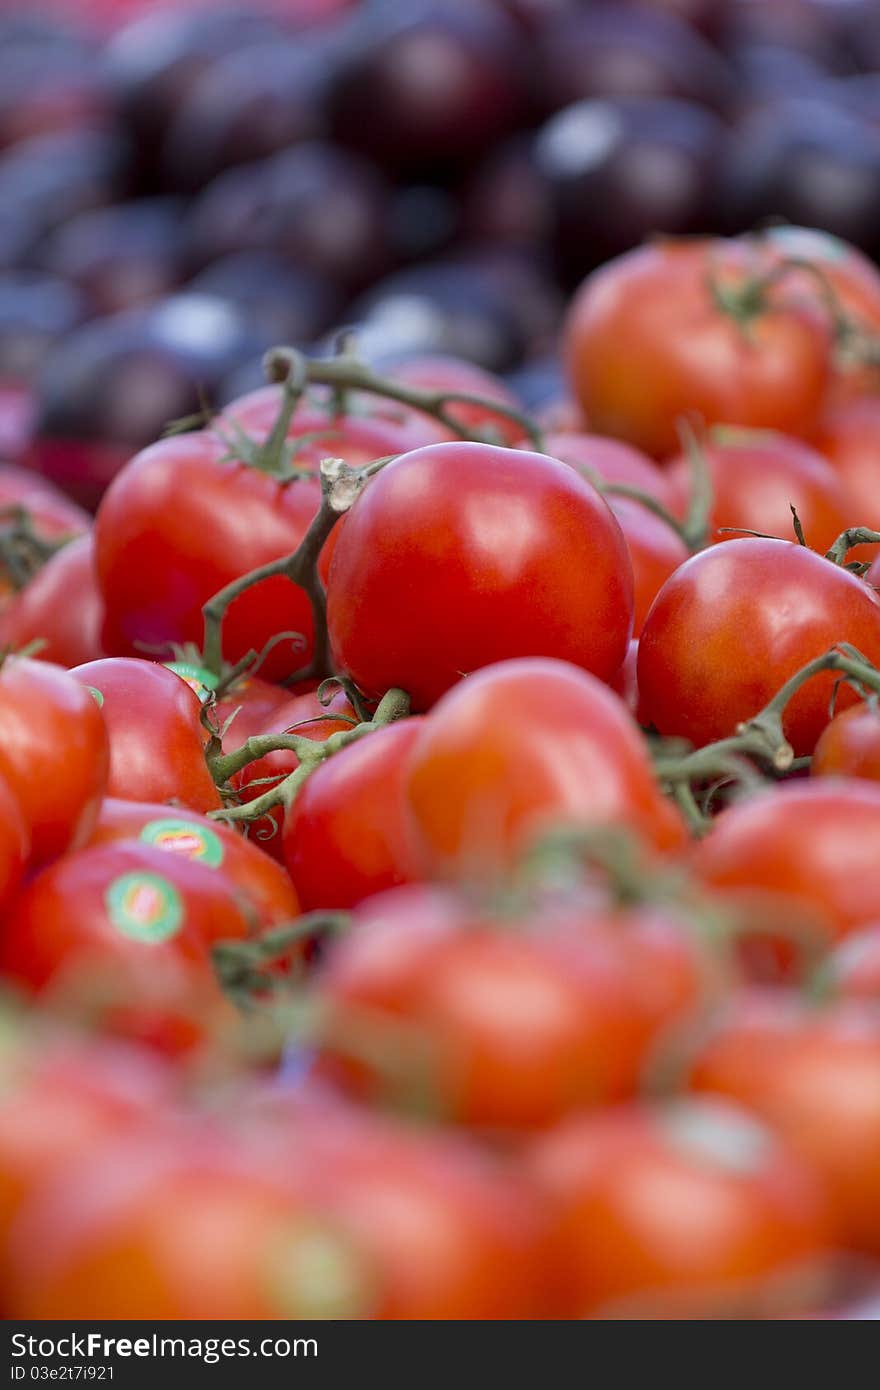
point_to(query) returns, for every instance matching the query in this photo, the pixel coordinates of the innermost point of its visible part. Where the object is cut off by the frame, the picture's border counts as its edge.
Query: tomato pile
(440, 855)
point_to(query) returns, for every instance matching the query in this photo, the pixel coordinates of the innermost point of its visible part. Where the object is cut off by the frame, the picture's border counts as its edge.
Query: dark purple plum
(283, 303)
(121, 256)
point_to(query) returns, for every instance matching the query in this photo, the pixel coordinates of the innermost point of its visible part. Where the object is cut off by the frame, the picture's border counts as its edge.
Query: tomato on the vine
(456, 556)
(157, 741)
(520, 749)
(730, 627)
(54, 753)
(850, 745)
(60, 608)
(680, 328)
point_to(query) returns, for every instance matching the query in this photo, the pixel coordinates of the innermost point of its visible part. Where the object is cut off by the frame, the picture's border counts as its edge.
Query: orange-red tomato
(730, 627)
(504, 1024)
(54, 753)
(346, 834)
(60, 607)
(850, 745)
(435, 372)
(522, 748)
(811, 842)
(852, 969)
(15, 842)
(157, 740)
(689, 1210)
(612, 460)
(459, 555)
(256, 879)
(850, 440)
(757, 476)
(814, 1075)
(655, 550)
(647, 342)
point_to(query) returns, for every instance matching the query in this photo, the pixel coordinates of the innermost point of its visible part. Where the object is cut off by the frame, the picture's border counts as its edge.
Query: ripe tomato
(854, 280)
(246, 708)
(647, 342)
(614, 461)
(522, 748)
(850, 745)
(59, 607)
(303, 715)
(136, 1234)
(156, 738)
(626, 682)
(180, 522)
(511, 1023)
(812, 842)
(318, 431)
(54, 753)
(346, 834)
(699, 679)
(258, 882)
(123, 930)
(434, 372)
(15, 842)
(459, 555)
(24, 495)
(757, 476)
(450, 1232)
(852, 969)
(850, 440)
(688, 1210)
(814, 1075)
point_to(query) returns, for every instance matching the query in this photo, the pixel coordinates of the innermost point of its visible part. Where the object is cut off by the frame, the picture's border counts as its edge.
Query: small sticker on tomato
(144, 906)
(183, 837)
(198, 678)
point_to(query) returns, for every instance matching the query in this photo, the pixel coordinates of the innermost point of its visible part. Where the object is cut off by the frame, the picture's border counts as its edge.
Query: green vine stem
(23, 552)
(309, 752)
(347, 372)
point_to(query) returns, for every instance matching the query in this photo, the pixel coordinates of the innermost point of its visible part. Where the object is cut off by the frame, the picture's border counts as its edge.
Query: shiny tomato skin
(156, 738)
(180, 522)
(54, 754)
(255, 878)
(757, 476)
(698, 677)
(435, 372)
(459, 555)
(814, 1076)
(376, 429)
(519, 749)
(811, 842)
(850, 745)
(59, 607)
(852, 969)
(346, 836)
(614, 461)
(655, 550)
(627, 1185)
(645, 345)
(299, 714)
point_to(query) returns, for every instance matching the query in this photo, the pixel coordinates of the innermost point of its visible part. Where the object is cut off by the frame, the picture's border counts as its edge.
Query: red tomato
(303, 715)
(614, 461)
(51, 515)
(626, 682)
(63, 1098)
(505, 1024)
(54, 753)
(731, 626)
(346, 834)
(854, 280)
(459, 555)
(180, 522)
(317, 432)
(177, 1231)
(757, 477)
(686, 1211)
(811, 842)
(257, 881)
(850, 440)
(451, 1232)
(814, 1075)
(655, 550)
(850, 745)
(124, 929)
(156, 737)
(60, 607)
(15, 842)
(646, 343)
(520, 749)
(247, 708)
(852, 969)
